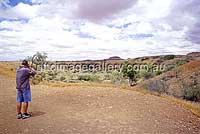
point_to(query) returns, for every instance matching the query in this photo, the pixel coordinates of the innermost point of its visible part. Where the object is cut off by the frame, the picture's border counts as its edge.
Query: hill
(182, 82)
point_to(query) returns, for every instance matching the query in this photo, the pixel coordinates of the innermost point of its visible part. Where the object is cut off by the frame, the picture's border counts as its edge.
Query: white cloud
(59, 28)
(186, 15)
(20, 11)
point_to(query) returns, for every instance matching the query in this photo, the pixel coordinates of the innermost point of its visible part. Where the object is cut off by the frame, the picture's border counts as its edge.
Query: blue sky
(15, 2)
(93, 29)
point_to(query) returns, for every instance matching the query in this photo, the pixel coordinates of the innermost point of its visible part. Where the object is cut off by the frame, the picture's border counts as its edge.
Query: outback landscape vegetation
(162, 74)
(176, 85)
(102, 66)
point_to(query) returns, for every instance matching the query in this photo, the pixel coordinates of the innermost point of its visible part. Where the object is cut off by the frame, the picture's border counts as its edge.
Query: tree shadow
(37, 113)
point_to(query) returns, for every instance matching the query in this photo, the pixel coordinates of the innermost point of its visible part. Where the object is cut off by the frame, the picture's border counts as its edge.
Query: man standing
(23, 89)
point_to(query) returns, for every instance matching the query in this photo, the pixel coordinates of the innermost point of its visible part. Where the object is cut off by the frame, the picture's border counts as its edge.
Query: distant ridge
(144, 58)
(115, 58)
(194, 54)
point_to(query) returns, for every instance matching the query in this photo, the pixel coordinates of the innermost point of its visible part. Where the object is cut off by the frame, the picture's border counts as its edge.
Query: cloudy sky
(98, 29)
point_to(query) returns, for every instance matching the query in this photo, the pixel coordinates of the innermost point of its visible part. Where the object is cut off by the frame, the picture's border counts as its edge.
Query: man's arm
(32, 72)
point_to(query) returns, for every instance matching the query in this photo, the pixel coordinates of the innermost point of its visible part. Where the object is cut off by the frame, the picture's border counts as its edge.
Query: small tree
(29, 58)
(128, 71)
(39, 58)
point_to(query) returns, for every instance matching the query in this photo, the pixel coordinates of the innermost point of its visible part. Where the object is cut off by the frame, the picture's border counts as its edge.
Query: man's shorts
(24, 95)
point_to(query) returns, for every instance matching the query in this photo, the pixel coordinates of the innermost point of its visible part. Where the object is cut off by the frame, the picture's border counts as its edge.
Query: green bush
(67, 76)
(159, 86)
(190, 91)
(116, 77)
(62, 78)
(96, 78)
(89, 77)
(174, 65)
(146, 75)
(36, 80)
(168, 57)
(180, 62)
(158, 72)
(129, 72)
(170, 67)
(84, 77)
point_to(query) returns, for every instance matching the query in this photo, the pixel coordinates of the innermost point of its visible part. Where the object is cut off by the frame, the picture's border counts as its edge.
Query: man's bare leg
(25, 107)
(25, 111)
(19, 107)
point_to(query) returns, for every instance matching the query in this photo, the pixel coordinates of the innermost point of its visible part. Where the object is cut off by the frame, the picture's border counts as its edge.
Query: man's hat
(25, 62)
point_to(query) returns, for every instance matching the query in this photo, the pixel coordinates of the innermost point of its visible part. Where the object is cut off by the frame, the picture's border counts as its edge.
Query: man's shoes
(19, 115)
(26, 115)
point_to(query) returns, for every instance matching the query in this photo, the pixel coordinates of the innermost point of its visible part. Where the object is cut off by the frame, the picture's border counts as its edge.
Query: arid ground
(92, 110)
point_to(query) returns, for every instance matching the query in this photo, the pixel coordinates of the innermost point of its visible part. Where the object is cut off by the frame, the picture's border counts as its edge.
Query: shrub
(62, 78)
(174, 65)
(180, 62)
(129, 72)
(36, 80)
(158, 72)
(84, 77)
(116, 77)
(39, 58)
(170, 67)
(67, 76)
(96, 78)
(159, 86)
(89, 77)
(190, 91)
(168, 57)
(146, 75)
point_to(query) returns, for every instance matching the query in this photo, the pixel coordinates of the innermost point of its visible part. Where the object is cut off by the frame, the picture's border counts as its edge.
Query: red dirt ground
(93, 110)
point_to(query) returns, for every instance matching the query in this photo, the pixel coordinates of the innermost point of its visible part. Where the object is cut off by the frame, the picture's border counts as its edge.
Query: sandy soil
(93, 110)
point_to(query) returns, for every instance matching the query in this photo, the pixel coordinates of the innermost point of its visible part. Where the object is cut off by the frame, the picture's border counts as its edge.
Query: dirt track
(93, 110)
